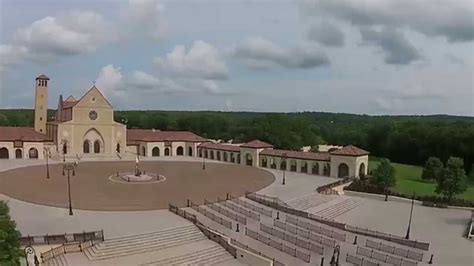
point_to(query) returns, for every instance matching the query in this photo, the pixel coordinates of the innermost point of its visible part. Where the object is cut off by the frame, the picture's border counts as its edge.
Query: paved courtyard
(93, 189)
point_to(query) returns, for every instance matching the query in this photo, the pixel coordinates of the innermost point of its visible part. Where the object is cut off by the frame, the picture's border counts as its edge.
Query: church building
(84, 128)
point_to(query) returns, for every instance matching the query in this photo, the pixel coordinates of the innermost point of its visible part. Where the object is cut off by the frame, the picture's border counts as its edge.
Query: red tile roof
(218, 146)
(151, 135)
(256, 144)
(350, 151)
(318, 156)
(69, 104)
(26, 134)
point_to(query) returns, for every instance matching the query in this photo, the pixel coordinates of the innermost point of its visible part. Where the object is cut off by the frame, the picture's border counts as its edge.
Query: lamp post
(28, 251)
(46, 153)
(284, 170)
(69, 167)
(411, 214)
(334, 259)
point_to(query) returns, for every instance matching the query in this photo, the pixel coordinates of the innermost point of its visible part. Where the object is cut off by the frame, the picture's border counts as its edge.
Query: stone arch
(206, 154)
(4, 153)
(94, 137)
(212, 154)
(33, 153)
(327, 169)
(18, 154)
(180, 151)
(232, 158)
(218, 155)
(273, 163)
(248, 159)
(226, 156)
(362, 170)
(315, 169)
(167, 151)
(238, 158)
(304, 167)
(343, 170)
(97, 146)
(86, 146)
(155, 152)
(264, 162)
(293, 165)
(190, 151)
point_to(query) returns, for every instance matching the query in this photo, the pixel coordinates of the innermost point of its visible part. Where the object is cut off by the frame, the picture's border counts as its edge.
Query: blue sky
(356, 56)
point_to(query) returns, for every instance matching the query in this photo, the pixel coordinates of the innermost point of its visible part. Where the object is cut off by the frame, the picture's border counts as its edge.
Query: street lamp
(69, 167)
(411, 214)
(46, 153)
(334, 259)
(28, 251)
(284, 170)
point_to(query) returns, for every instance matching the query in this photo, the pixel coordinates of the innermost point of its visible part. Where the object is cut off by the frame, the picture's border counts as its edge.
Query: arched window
(200, 152)
(118, 148)
(293, 165)
(190, 151)
(65, 148)
(18, 154)
(343, 170)
(33, 153)
(327, 169)
(155, 152)
(248, 159)
(212, 155)
(304, 167)
(206, 154)
(315, 169)
(218, 155)
(4, 153)
(238, 158)
(362, 170)
(143, 151)
(96, 146)
(180, 151)
(273, 163)
(167, 151)
(86, 146)
(263, 162)
(232, 158)
(226, 156)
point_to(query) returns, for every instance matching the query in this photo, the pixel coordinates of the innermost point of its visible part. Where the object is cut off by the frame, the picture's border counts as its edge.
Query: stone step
(105, 246)
(190, 257)
(142, 248)
(151, 234)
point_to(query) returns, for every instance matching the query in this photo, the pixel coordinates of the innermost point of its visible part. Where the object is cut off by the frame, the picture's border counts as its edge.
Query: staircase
(339, 208)
(209, 256)
(309, 201)
(57, 261)
(130, 245)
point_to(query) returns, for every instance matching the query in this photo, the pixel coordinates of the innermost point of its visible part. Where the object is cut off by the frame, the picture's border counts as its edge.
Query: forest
(402, 139)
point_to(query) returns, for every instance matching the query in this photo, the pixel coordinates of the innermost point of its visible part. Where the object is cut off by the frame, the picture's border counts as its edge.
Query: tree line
(403, 139)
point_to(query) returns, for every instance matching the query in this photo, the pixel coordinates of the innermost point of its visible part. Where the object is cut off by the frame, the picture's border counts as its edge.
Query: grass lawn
(409, 180)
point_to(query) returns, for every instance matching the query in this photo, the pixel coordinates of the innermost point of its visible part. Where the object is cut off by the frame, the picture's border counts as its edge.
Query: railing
(389, 237)
(211, 215)
(306, 234)
(252, 207)
(370, 253)
(68, 248)
(226, 212)
(315, 228)
(306, 257)
(406, 253)
(359, 261)
(239, 209)
(339, 182)
(246, 247)
(61, 238)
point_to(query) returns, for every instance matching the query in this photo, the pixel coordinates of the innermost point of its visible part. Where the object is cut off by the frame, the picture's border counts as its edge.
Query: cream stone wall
(39, 146)
(352, 162)
(9, 146)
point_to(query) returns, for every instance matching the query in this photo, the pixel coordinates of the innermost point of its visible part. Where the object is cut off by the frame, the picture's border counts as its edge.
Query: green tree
(384, 174)
(452, 179)
(432, 168)
(471, 175)
(9, 245)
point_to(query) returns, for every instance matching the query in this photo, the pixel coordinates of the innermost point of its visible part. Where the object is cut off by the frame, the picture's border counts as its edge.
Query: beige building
(84, 128)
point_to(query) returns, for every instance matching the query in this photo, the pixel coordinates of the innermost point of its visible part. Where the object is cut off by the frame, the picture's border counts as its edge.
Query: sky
(352, 56)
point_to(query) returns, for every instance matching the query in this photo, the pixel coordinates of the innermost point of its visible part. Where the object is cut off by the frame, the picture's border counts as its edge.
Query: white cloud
(258, 52)
(11, 55)
(110, 81)
(201, 61)
(144, 80)
(146, 16)
(451, 19)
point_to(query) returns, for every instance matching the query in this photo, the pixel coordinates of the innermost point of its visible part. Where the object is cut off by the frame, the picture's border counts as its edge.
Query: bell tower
(41, 103)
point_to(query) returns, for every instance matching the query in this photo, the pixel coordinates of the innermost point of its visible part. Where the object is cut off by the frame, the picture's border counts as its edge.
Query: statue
(137, 170)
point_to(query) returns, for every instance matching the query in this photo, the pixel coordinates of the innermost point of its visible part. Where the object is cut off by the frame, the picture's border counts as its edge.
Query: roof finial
(93, 82)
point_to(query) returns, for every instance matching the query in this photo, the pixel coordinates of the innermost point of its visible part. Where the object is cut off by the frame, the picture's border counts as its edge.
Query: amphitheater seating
(240, 209)
(253, 207)
(57, 261)
(304, 225)
(383, 257)
(309, 201)
(405, 253)
(130, 245)
(226, 212)
(208, 256)
(339, 208)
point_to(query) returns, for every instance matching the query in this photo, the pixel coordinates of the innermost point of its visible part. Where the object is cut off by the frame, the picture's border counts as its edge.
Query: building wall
(39, 146)
(352, 162)
(41, 106)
